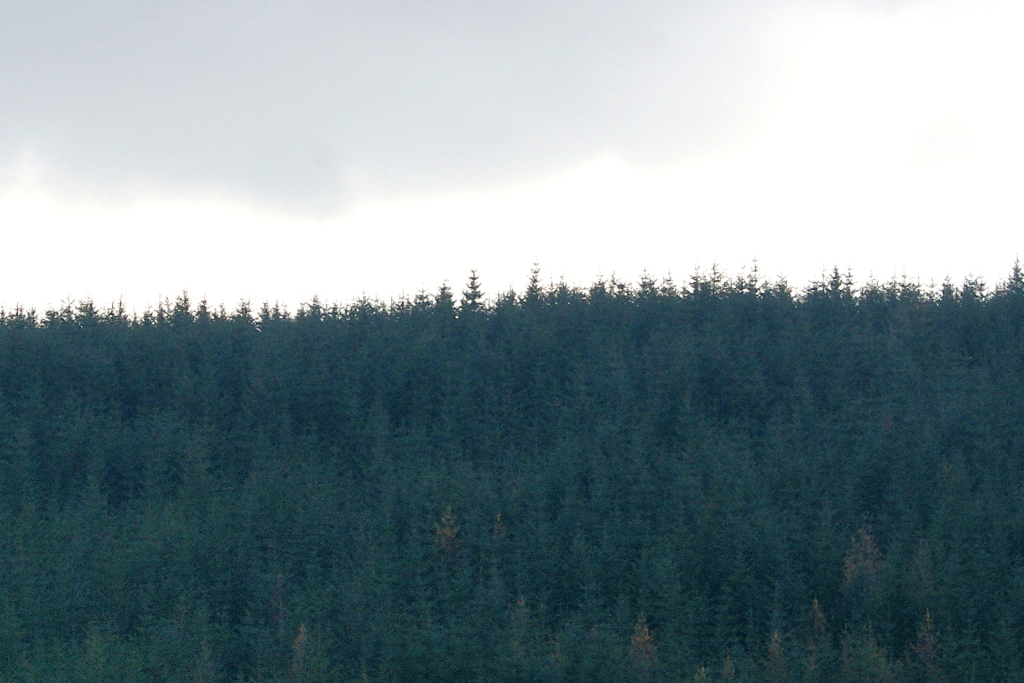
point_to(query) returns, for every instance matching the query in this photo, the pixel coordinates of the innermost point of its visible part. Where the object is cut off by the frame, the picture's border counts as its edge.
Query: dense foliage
(724, 481)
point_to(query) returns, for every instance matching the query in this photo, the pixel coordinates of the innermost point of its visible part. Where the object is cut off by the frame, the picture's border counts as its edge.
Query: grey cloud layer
(305, 103)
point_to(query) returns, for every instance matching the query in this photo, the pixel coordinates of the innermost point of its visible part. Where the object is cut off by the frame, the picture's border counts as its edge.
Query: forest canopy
(722, 480)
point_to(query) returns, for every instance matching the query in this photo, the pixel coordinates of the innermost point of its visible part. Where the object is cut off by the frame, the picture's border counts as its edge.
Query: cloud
(183, 145)
(309, 105)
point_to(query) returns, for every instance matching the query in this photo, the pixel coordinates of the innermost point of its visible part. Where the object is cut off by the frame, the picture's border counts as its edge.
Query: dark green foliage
(729, 481)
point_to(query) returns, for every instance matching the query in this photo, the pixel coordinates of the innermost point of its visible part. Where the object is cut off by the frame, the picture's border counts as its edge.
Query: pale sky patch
(883, 139)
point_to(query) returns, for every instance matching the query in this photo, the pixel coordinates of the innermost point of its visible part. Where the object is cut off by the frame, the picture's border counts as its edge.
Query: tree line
(727, 479)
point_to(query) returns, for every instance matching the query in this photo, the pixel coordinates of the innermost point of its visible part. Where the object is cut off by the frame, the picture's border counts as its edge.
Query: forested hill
(727, 480)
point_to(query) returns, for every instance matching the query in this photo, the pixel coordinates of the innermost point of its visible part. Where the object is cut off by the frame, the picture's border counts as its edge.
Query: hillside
(721, 480)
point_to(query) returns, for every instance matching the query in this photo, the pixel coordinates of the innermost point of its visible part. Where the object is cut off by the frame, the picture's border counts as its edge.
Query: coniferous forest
(726, 479)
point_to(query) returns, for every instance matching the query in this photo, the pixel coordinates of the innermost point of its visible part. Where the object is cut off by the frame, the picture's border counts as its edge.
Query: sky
(275, 150)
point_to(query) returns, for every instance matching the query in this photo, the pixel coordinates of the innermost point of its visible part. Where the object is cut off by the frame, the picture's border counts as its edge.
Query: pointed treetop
(472, 296)
(533, 288)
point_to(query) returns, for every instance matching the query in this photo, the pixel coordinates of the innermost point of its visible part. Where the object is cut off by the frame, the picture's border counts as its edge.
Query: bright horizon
(883, 138)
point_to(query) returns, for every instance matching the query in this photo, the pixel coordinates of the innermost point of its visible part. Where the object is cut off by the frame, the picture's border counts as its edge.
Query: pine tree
(472, 296)
(642, 650)
(926, 650)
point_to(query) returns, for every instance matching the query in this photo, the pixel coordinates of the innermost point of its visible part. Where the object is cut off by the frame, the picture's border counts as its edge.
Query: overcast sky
(276, 150)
